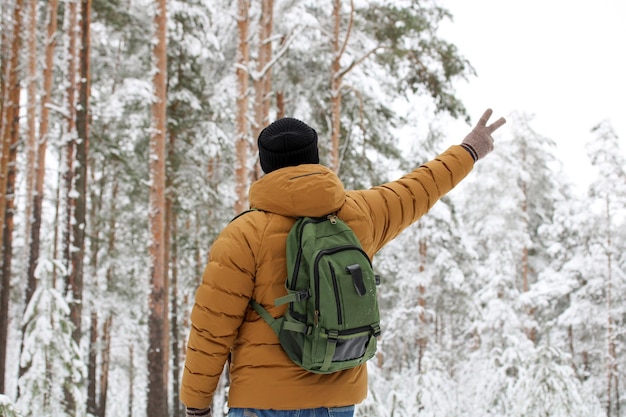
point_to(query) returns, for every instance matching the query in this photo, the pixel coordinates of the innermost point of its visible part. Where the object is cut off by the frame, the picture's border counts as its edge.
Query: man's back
(248, 261)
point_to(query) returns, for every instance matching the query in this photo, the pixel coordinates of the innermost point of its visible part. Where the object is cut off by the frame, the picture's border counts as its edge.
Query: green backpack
(333, 320)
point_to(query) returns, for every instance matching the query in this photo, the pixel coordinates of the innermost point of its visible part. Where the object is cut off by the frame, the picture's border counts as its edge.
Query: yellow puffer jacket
(248, 261)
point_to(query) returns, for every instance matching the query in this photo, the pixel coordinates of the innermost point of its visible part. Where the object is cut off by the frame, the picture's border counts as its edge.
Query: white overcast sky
(562, 61)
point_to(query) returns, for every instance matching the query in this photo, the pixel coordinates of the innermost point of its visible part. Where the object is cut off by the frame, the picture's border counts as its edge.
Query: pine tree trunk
(586, 365)
(7, 182)
(31, 115)
(263, 82)
(280, 105)
(80, 174)
(10, 91)
(337, 73)
(131, 380)
(96, 197)
(40, 167)
(175, 330)
(423, 339)
(57, 223)
(7, 232)
(106, 330)
(611, 357)
(157, 367)
(92, 406)
(4, 326)
(75, 278)
(172, 255)
(71, 27)
(241, 137)
(11, 107)
(335, 88)
(570, 338)
(4, 57)
(531, 332)
(104, 366)
(92, 350)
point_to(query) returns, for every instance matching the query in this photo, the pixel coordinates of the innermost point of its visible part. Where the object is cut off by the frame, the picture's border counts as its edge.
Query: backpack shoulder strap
(265, 315)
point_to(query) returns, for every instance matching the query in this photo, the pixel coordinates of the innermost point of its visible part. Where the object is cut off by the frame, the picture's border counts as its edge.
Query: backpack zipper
(336, 291)
(296, 269)
(356, 330)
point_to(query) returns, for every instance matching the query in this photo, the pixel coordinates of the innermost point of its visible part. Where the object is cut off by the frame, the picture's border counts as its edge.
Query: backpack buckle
(302, 295)
(333, 336)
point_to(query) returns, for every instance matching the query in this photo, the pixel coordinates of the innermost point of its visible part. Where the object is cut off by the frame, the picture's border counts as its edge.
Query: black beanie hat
(287, 142)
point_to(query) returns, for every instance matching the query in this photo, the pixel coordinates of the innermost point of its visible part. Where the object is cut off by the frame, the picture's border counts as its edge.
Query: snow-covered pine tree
(51, 360)
(548, 386)
(609, 197)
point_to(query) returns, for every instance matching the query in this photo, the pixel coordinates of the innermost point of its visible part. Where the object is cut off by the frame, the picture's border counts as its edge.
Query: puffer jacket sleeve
(394, 206)
(219, 309)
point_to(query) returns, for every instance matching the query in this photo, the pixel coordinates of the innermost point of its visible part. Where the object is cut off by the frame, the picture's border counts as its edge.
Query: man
(248, 261)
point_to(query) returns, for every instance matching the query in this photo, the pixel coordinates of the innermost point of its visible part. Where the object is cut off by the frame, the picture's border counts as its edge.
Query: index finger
(485, 117)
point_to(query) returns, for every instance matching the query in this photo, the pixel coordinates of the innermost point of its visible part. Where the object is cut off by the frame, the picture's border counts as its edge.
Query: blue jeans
(310, 412)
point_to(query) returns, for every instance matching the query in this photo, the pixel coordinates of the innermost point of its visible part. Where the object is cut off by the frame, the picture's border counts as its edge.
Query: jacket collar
(304, 190)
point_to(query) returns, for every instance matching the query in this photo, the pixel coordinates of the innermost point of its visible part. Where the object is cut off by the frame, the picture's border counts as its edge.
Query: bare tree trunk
(157, 361)
(171, 229)
(7, 234)
(586, 365)
(335, 88)
(131, 380)
(4, 326)
(31, 116)
(4, 58)
(97, 197)
(75, 278)
(40, 167)
(611, 357)
(10, 129)
(92, 356)
(175, 342)
(9, 106)
(241, 138)
(570, 338)
(106, 330)
(337, 73)
(423, 339)
(57, 223)
(92, 406)
(262, 84)
(71, 19)
(80, 174)
(280, 104)
(104, 366)
(531, 332)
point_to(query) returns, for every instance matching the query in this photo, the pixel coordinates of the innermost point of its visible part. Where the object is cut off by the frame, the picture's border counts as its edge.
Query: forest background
(128, 132)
